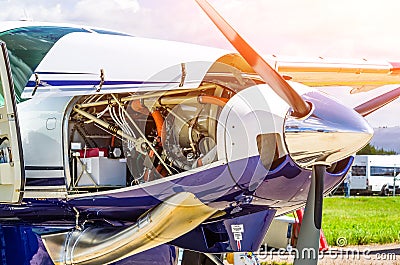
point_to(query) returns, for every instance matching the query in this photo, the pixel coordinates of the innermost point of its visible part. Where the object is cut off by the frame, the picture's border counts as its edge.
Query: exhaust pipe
(101, 245)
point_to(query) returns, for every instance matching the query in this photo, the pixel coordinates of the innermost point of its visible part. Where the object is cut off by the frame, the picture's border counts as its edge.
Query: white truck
(375, 174)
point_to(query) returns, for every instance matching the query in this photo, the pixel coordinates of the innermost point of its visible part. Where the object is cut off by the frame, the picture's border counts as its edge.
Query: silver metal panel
(42, 145)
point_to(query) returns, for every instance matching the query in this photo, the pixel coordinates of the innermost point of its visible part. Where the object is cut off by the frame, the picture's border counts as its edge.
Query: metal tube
(142, 134)
(212, 119)
(104, 124)
(213, 100)
(120, 132)
(135, 97)
(104, 245)
(179, 100)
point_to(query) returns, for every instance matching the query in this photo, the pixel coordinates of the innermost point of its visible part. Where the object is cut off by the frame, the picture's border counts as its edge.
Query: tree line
(369, 149)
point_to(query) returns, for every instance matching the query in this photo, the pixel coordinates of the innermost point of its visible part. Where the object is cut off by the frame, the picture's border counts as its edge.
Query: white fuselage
(90, 63)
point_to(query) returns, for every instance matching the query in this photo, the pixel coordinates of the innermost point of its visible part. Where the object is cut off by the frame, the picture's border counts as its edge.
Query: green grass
(362, 220)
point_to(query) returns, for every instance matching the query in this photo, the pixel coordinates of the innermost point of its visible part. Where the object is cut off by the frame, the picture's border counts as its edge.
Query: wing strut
(374, 104)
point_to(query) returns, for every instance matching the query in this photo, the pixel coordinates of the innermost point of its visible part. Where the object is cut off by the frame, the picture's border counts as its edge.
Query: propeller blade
(310, 230)
(376, 103)
(263, 69)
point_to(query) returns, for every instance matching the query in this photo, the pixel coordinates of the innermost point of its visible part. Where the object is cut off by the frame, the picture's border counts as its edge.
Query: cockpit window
(27, 47)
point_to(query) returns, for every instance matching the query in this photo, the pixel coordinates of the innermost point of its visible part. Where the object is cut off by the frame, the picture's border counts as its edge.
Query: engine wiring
(159, 134)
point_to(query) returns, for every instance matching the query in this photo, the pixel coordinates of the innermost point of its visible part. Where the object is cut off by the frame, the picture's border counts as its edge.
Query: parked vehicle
(375, 174)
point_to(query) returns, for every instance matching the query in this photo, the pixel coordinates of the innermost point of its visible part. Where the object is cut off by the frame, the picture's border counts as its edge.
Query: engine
(154, 134)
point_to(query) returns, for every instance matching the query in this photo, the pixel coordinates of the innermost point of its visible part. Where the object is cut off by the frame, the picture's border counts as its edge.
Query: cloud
(306, 28)
(290, 27)
(91, 11)
(17, 10)
(105, 11)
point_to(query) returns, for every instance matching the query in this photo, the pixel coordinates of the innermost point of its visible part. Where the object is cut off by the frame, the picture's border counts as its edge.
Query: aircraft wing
(362, 75)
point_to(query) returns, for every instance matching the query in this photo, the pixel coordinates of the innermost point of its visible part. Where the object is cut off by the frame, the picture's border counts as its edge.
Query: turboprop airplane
(113, 146)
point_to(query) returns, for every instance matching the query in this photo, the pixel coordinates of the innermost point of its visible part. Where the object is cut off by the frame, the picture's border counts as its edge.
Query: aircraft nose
(330, 133)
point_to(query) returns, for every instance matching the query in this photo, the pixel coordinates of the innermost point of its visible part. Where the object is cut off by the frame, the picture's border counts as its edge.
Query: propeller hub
(329, 134)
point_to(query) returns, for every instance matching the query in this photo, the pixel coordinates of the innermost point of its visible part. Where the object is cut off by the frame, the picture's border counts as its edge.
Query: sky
(305, 28)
